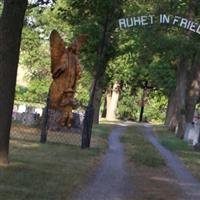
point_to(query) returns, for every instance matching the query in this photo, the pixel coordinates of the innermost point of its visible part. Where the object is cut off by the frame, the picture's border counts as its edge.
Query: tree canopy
(152, 53)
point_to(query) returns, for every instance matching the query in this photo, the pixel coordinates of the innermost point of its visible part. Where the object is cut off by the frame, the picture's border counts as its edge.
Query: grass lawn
(182, 149)
(50, 171)
(151, 178)
(140, 150)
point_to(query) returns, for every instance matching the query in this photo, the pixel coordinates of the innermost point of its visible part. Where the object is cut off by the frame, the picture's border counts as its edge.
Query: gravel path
(111, 181)
(189, 184)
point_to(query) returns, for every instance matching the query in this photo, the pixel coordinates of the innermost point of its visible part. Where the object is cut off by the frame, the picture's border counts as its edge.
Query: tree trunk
(45, 117)
(103, 115)
(100, 71)
(181, 96)
(170, 119)
(193, 92)
(143, 99)
(113, 104)
(108, 101)
(182, 81)
(11, 23)
(97, 103)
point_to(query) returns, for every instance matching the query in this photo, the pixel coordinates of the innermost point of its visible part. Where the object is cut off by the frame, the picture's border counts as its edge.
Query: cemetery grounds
(56, 171)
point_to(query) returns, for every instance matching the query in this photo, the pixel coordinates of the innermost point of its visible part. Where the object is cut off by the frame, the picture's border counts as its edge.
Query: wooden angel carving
(65, 69)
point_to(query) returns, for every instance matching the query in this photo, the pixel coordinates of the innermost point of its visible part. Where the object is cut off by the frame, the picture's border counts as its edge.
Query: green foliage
(129, 105)
(1, 7)
(84, 85)
(38, 91)
(35, 92)
(20, 92)
(97, 19)
(131, 56)
(70, 18)
(155, 109)
(163, 75)
(128, 108)
(35, 54)
(150, 54)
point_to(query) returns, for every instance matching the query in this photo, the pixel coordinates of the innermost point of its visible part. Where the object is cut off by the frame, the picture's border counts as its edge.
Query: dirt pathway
(111, 181)
(187, 182)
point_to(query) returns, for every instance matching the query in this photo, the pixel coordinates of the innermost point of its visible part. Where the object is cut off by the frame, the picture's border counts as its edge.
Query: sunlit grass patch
(139, 149)
(49, 171)
(169, 140)
(181, 148)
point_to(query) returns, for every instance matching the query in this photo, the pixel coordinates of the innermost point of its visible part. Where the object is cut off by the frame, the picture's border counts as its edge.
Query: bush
(155, 106)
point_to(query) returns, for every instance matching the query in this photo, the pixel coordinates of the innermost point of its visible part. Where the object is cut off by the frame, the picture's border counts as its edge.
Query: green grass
(139, 150)
(49, 171)
(181, 148)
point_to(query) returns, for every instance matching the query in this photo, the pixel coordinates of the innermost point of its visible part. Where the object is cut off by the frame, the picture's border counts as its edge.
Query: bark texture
(170, 120)
(193, 92)
(108, 101)
(113, 103)
(11, 23)
(181, 96)
(185, 101)
(100, 70)
(97, 103)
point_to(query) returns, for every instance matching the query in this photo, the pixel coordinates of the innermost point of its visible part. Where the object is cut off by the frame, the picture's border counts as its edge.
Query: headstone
(15, 108)
(30, 119)
(21, 108)
(38, 111)
(192, 130)
(26, 115)
(16, 116)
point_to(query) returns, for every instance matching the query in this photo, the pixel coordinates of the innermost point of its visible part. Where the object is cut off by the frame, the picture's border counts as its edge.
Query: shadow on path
(111, 181)
(187, 182)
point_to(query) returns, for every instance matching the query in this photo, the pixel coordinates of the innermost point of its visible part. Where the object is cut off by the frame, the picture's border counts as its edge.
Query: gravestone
(26, 115)
(21, 108)
(192, 130)
(38, 111)
(30, 119)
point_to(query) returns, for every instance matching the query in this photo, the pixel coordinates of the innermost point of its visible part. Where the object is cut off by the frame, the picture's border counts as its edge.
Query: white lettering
(183, 23)
(122, 23)
(198, 30)
(144, 20)
(151, 18)
(188, 26)
(161, 19)
(176, 19)
(129, 20)
(166, 19)
(192, 27)
(137, 20)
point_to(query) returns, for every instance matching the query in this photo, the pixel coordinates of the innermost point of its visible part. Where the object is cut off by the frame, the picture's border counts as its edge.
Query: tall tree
(111, 114)
(185, 104)
(11, 23)
(193, 88)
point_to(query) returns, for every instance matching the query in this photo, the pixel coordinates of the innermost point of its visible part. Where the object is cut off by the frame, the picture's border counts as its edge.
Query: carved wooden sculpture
(65, 69)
